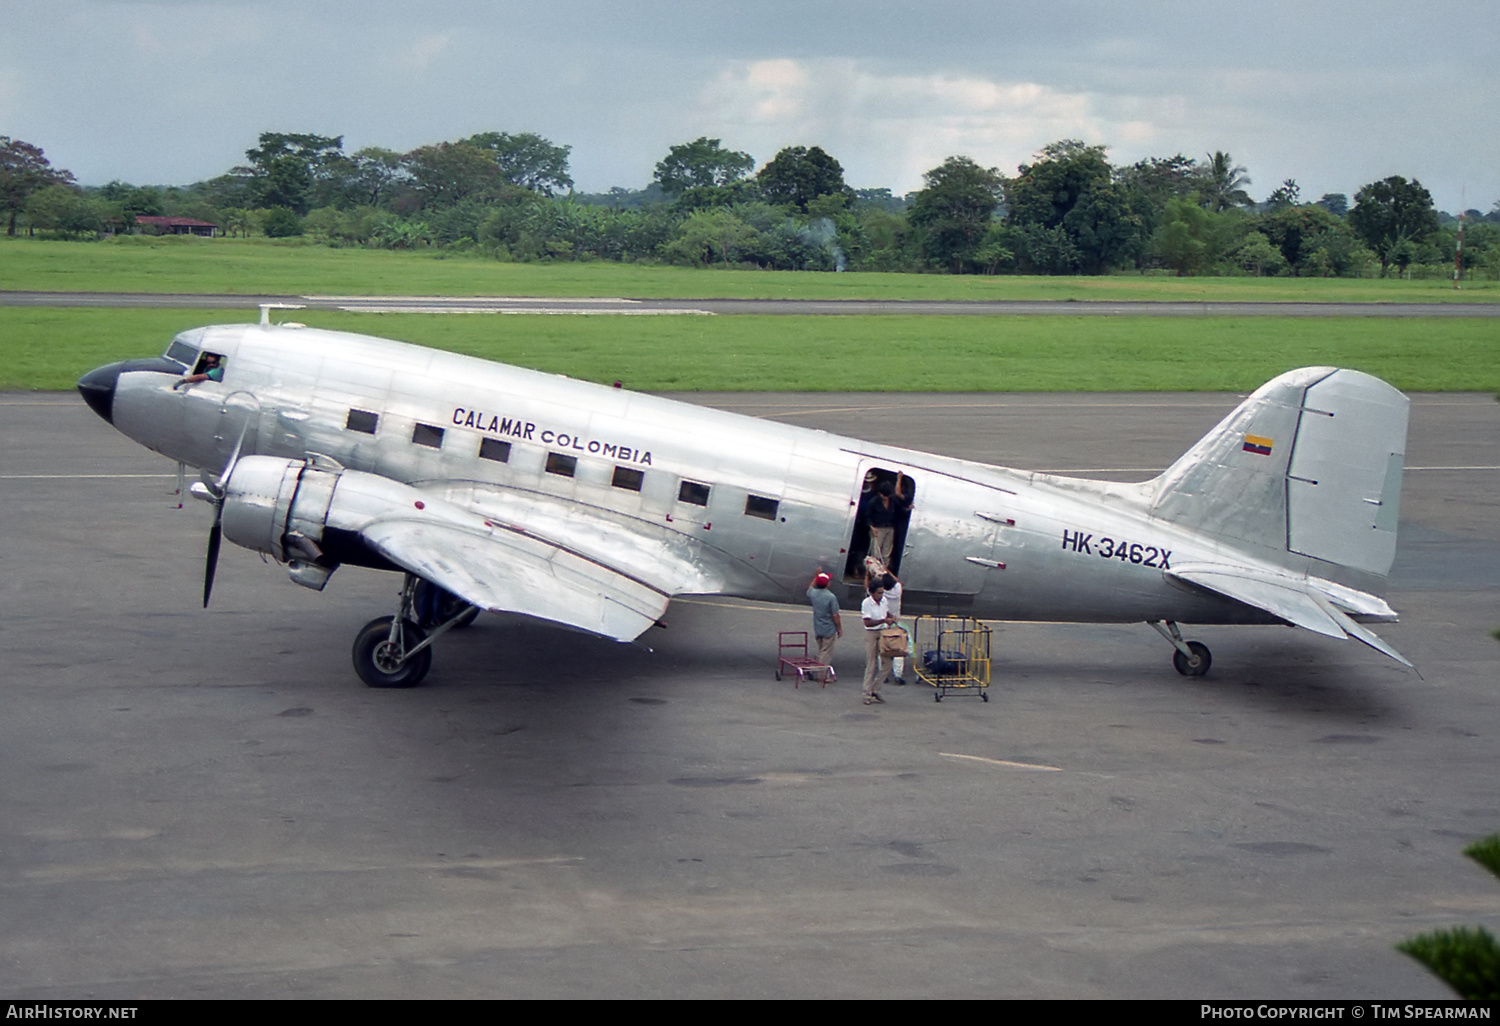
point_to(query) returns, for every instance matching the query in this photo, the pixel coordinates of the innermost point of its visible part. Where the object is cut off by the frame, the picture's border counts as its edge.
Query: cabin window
(760, 506)
(494, 449)
(692, 491)
(628, 478)
(426, 434)
(363, 421)
(564, 466)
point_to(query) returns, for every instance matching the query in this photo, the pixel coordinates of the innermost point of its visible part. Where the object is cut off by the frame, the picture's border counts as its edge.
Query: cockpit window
(182, 351)
(185, 346)
(210, 367)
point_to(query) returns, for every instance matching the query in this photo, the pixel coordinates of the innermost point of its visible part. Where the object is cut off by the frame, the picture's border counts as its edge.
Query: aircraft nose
(98, 389)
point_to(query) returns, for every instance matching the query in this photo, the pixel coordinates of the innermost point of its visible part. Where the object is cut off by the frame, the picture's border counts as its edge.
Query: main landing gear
(1192, 658)
(392, 653)
(396, 651)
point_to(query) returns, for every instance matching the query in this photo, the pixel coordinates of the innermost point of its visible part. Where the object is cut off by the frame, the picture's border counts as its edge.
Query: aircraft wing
(494, 565)
(1305, 602)
(516, 573)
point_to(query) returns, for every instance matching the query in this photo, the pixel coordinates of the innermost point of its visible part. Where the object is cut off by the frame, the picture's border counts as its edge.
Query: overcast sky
(1333, 93)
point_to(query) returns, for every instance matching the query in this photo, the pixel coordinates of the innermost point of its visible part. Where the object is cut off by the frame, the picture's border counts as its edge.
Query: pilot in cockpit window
(210, 368)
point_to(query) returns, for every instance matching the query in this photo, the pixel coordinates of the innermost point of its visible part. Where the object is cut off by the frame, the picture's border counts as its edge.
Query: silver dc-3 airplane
(497, 488)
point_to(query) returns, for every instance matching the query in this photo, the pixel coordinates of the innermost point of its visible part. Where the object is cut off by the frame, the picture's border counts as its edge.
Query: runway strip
(794, 307)
(1003, 762)
(208, 804)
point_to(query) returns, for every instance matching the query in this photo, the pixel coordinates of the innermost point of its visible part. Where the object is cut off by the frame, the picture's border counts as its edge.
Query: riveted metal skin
(602, 504)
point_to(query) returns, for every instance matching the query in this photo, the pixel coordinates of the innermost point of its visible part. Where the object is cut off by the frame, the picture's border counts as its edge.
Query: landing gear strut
(1192, 658)
(434, 607)
(396, 651)
(386, 653)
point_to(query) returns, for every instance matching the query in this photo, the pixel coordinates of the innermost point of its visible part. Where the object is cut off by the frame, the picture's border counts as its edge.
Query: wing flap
(639, 548)
(494, 565)
(1294, 599)
(507, 571)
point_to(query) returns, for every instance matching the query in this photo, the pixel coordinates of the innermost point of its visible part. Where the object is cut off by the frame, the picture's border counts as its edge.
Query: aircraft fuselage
(757, 507)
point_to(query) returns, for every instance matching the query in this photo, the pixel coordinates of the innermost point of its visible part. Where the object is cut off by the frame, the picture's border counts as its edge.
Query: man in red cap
(827, 626)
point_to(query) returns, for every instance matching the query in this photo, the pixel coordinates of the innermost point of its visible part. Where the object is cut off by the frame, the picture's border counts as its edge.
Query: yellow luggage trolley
(952, 655)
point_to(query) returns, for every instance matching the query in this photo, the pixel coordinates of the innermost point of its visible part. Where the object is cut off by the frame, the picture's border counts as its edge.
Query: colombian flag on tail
(1258, 445)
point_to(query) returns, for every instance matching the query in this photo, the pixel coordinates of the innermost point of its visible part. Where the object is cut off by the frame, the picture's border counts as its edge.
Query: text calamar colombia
(525, 430)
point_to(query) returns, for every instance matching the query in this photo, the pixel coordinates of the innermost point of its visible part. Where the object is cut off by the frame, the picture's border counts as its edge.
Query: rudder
(1310, 464)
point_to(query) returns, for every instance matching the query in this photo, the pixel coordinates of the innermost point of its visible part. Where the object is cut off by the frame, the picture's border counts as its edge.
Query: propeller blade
(215, 534)
(234, 457)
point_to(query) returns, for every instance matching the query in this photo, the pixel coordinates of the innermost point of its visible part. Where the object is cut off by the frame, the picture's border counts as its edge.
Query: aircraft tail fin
(1308, 466)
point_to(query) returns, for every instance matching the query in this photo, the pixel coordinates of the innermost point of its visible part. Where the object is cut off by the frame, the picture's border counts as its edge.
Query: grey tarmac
(209, 804)
(798, 307)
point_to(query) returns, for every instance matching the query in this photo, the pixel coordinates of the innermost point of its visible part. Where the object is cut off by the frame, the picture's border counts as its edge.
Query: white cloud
(12, 88)
(420, 54)
(1334, 94)
(192, 34)
(146, 42)
(890, 128)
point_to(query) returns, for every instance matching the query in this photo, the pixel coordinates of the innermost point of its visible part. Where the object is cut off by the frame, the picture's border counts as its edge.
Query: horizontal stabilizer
(1360, 632)
(1297, 600)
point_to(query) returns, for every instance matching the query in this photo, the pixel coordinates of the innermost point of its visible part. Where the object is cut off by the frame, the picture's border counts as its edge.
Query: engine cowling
(280, 507)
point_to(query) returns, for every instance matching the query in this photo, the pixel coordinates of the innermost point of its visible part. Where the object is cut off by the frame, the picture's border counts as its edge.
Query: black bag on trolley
(944, 664)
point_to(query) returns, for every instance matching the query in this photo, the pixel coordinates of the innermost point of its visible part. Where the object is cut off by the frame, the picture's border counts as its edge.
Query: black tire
(1198, 665)
(373, 654)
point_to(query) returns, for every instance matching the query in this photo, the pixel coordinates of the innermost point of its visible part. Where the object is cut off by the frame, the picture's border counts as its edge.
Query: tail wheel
(378, 659)
(1198, 664)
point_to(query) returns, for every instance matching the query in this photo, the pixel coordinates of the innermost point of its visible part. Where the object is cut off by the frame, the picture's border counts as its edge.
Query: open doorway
(885, 496)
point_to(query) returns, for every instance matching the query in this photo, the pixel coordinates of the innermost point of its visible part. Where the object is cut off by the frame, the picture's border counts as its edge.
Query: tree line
(511, 197)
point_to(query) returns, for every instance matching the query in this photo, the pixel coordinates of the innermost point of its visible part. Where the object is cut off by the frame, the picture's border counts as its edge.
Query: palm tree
(235, 219)
(1224, 183)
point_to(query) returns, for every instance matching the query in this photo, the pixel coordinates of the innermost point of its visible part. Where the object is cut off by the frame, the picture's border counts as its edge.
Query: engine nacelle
(279, 507)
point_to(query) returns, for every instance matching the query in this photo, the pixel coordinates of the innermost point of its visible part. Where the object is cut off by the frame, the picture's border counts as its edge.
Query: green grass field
(50, 348)
(263, 266)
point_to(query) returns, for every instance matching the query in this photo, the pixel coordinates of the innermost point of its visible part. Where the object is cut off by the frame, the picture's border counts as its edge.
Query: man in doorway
(882, 511)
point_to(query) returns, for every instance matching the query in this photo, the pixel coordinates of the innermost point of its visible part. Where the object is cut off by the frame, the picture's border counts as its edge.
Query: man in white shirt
(892, 586)
(877, 616)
